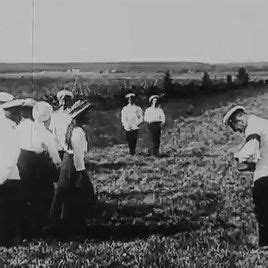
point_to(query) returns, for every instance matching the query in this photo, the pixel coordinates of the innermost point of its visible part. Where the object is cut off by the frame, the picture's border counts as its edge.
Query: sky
(212, 31)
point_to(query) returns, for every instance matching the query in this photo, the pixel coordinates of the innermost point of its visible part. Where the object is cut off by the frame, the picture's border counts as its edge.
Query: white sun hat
(130, 95)
(153, 97)
(230, 113)
(61, 94)
(12, 104)
(42, 111)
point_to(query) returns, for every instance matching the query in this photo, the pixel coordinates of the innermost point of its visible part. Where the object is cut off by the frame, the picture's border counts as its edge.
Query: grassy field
(189, 207)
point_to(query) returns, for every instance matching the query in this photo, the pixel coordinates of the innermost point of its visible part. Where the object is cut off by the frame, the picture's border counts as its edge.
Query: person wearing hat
(38, 163)
(155, 117)
(131, 118)
(61, 119)
(74, 192)
(253, 156)
(10, 184)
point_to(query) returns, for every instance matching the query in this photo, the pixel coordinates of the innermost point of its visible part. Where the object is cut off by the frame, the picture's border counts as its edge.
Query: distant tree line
(111, 94)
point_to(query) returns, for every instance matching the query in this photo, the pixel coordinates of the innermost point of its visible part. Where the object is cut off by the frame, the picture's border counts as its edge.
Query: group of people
(43, 178)
(132, 117)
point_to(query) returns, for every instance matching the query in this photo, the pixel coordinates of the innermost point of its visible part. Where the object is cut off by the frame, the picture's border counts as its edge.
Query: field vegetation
(189, 207)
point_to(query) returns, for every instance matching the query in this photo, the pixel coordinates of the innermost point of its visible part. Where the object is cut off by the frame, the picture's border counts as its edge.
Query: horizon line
(137, 61)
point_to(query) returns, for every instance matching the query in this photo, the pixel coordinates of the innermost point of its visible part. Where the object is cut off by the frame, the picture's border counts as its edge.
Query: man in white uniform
(255, 151)
(131, 118)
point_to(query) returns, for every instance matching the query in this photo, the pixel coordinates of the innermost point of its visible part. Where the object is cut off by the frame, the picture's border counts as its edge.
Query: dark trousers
(260, 198)
(132, 137)
(155, 135)
(11, 210)
(37, 175)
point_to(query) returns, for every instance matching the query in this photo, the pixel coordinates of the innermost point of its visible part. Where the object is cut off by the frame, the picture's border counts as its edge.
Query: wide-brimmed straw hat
(12, 104)
(5, 97)
(61, 94)
(29, 102)
(79, 107)
(228, 117)
(19, 103)
(130, 95)
(153, 97)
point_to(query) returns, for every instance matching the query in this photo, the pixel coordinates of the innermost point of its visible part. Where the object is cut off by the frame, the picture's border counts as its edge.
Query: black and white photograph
(133, 133)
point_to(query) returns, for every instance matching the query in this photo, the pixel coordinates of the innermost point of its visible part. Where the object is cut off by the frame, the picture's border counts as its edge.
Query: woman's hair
(13, 114)
(79, 121)
(27, 112)
(157, 102)
(69, 133)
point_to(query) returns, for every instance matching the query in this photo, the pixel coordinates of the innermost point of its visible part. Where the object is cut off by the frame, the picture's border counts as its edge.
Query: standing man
(60, 119)
(254, 154)
(155, 117)
(131, 118)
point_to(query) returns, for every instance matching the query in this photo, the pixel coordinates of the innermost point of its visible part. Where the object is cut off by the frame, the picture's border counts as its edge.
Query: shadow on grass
(130, 223)
(110, 166)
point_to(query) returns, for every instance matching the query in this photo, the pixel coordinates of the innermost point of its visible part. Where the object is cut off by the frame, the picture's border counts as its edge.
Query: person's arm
(140, 115)
(79, 144)
(146, 116)
(124, 119)
(162, 116)
(10, 151)
(52, 149)
(249, 152)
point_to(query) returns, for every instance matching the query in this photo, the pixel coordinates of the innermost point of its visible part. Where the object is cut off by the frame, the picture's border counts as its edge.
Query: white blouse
(9, 151)
(60, 120)
(131, 117)
(153, 114)
(79, 144)
(35, 137)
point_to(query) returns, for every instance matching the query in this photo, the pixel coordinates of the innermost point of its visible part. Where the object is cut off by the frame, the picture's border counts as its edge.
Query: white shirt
(35, 137)
(79, 144)
(60, 120)
(255, 150)
(9, 151)
(154, 114)
(25, 134)
(131, 117)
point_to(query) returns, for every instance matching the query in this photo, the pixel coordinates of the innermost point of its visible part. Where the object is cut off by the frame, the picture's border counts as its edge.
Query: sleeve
(249, 152)
(162, 116)
(78, 143)
(124, 119)
(10, 151)
(146, 115)
(253, 129)
(52, 149)
(140, 115)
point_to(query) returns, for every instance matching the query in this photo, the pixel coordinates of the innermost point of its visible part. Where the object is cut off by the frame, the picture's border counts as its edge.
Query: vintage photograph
(133, 133)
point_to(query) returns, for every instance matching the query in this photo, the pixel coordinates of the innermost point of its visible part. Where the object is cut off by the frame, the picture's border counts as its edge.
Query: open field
(188, 207)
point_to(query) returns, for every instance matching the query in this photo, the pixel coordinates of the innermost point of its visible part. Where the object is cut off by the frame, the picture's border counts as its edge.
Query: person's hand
(58, 165)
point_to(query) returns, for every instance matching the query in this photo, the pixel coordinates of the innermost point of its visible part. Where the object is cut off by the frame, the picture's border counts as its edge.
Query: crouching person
(254, 157)
(10, 184)
(74, 193)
